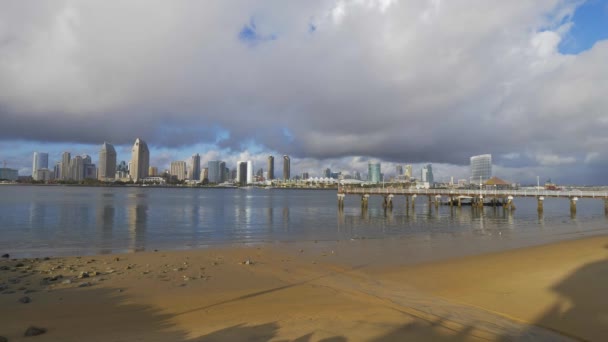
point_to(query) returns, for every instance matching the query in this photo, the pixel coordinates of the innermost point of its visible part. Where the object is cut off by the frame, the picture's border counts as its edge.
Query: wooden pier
(478, 198)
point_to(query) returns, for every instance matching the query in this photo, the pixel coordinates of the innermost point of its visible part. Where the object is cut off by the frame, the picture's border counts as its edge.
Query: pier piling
(540, 200)
(573, 205)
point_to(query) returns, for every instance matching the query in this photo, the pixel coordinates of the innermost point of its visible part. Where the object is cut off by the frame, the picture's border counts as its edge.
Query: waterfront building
(205, 174)
(57, 171)
(357, 175)
(140, 160)
(327, 173)
(44, 175)
(241, 173)
(270, 168)
(123, 166)
(107, 162)
(408, 171)
(481, 168)
(374, 172)
(215, 172)
(76, 172)
(223, 172)
(178, 170)
(8, 174)
(41, 161)
(305, 175)
(427, 174)
(89, 171)
(195, 167)
(286, 167)
(152, 171)
(65, 165)
(399, 170)
(249, 172)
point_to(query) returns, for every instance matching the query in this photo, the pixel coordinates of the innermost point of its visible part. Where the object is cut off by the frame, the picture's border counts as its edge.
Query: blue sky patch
(590, 26)
(250, 34)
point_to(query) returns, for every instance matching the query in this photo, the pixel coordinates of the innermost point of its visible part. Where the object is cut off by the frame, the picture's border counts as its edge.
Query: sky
(332, 83)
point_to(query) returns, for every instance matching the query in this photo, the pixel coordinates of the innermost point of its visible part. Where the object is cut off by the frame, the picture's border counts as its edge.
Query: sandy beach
(303, 292)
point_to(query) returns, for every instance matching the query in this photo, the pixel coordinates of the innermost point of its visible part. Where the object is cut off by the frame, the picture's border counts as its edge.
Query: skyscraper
(373, 171)
(481, 168)
(286, 167)
(178, 169)
(399, 170)
(427, 174)
(195, 167)
(270, 167)
(249, 172)
(408, 171)
(107, 162)
(215, 172)
(76, 169)
(65, 165)
(140, 160)
(241, 170)
(41, 161)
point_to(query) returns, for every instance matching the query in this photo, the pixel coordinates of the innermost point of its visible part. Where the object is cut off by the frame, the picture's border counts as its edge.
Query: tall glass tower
(481, 168)
(373, 171)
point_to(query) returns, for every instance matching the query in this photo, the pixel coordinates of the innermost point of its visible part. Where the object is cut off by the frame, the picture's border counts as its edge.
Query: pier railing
(474, 193)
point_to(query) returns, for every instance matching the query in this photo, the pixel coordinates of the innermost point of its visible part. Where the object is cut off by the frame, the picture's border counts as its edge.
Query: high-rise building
(409, 171)
(195, 167)
(140, 160)
(286, 167)
(76, 172)
(357, 175)
(481, 168)
(399, 170)
(8, 174)
(249, 172)
(374, 172)
(107, 162)
(241, 170)
(123, 167)
(57, 170)
(41, 161)
(65, 165)
(427, 174)
(215, 173)
(223, 173)
(270, 167)
(153, 171)
(178, 170)
(43, 175)
(327, 173)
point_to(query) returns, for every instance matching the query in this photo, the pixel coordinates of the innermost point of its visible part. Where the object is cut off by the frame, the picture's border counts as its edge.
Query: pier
(478, 198)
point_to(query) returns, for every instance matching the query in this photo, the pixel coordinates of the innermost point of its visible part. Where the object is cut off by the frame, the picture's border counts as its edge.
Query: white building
(481, 168)
(41, 161)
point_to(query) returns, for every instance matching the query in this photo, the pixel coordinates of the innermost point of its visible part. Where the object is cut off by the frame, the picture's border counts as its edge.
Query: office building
(426, 175)
(214, 171)
(107, 162)
(408, 171)
(153, 171)
(44, 175)
(65, 165)
(140, 160)
(270, 173)
(399, 170)
(76, 172)
(178, 170)
(41, 161)
(57, 171)
(205, 174)
(241, 173)
(481, 168)
(195, 167)
(250, 172)
(374, 172)
(8, 174)
(286, 167)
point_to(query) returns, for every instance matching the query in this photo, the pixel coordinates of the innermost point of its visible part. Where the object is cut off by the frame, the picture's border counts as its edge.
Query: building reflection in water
(37, 215)
(138, 220)
(106, 215)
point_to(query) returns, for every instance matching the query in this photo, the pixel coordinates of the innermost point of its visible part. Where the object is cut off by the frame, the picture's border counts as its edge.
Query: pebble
(25, 299)
(67, 281)
(3, 339)
(8, 292)
(46, 258)
(4, 268)
(83, 275)
(34, 331)
(87, 284)
(6, 255)
(248, 262)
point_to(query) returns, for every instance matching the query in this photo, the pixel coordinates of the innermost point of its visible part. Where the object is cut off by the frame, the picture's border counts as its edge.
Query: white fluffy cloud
(408, 80)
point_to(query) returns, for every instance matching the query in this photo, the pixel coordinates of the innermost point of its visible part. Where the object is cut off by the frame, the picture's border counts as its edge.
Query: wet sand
(307, 292)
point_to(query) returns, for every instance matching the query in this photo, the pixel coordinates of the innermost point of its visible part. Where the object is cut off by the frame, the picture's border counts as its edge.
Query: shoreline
(292, 291)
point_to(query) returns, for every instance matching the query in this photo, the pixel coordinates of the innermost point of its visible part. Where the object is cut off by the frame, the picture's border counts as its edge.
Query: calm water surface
(54, 220)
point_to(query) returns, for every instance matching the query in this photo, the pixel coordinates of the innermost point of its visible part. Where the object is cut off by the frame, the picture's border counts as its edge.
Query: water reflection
(105, 224)
(138, 221)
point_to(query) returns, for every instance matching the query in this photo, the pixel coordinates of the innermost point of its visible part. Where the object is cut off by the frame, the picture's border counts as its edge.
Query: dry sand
(295, 293)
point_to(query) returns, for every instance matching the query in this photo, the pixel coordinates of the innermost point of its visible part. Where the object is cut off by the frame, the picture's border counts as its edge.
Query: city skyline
(433, 95)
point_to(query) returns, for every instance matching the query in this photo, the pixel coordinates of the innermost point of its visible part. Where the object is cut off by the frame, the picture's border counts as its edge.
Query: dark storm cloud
(395, 80)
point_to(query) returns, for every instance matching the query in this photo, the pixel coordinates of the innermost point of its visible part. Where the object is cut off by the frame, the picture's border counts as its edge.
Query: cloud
(402, 81)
